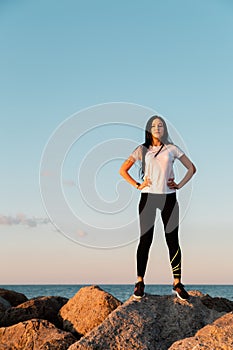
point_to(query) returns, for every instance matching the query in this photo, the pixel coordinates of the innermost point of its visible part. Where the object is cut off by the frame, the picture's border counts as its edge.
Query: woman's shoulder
(176, 150)
(137, 153)
(171, 146)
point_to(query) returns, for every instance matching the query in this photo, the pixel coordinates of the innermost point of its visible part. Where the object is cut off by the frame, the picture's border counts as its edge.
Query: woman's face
(157, 128)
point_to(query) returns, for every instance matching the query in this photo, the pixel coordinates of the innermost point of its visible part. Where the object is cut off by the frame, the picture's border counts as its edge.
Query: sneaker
(180, 291)
(139, 290)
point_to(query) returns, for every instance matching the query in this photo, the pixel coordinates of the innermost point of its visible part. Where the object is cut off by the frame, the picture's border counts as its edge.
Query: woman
(158, 190)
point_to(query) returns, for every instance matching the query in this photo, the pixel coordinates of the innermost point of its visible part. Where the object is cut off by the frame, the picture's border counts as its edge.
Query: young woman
(158, 190)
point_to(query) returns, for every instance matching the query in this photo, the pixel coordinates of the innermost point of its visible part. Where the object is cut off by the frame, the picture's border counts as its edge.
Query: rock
(87, 309)
(4, 304)
(13, 297)
(196, 293)
(34, 335)
(46, 308)
(216, 336)
(154, 322)
(218, 304)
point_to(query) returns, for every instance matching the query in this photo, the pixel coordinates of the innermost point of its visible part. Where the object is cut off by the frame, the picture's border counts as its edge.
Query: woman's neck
(156, 142)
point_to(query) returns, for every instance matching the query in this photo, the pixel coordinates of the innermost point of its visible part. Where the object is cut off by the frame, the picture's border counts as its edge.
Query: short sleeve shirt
(160, 168)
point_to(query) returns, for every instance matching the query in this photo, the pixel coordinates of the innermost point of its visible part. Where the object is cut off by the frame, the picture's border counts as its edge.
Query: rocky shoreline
(95, 320)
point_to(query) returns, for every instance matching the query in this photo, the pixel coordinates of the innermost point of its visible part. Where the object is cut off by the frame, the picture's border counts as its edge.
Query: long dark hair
(149, 139)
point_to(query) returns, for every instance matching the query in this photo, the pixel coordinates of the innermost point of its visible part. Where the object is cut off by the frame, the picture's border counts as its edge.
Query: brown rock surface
(215, 336)
(154, 322)
(196, 293)
(13, 297)
(216, 303)
(45, 308)
(4, 305)
(34, 335)
(87, 309)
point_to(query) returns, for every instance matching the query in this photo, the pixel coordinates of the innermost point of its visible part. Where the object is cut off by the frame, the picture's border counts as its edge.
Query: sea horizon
(120, 291)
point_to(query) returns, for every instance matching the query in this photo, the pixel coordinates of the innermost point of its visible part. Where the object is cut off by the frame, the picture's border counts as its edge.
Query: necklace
(159, 150)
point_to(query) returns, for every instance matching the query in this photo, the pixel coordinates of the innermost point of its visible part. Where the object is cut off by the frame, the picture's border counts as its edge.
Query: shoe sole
(178, 296)
(138, 296)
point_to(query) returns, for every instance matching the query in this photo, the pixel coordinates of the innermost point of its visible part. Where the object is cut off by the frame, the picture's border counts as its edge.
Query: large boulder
(34, 335)
(87, 309)
(154, 322)
(46, 308)
(4, 304)
(218, 304)
(215, 336)
(13, 297)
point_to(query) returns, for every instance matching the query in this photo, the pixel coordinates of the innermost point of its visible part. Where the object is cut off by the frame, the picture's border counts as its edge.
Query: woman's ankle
(176, 281)
(140, 279)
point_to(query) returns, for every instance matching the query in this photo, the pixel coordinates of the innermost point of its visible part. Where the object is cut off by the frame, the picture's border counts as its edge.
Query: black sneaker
(139, 290)
(180, 291)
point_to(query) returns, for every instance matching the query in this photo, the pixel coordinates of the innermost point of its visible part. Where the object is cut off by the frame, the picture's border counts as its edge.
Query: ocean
(120, 291)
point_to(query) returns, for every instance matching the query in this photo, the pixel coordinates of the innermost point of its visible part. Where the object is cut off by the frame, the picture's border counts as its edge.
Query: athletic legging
(169, 207)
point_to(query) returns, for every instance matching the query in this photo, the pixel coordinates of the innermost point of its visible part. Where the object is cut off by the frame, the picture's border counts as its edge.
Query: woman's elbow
(194, 169)
(121, 171)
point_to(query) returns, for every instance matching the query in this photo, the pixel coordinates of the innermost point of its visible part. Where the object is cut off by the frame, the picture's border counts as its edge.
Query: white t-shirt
(160, 168)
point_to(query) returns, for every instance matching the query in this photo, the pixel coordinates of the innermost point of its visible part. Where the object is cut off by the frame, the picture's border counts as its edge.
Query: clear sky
(73, 58)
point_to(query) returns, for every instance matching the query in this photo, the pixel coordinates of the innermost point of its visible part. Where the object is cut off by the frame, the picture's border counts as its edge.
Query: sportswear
(160, 168)
(180, 291)
(139, 289)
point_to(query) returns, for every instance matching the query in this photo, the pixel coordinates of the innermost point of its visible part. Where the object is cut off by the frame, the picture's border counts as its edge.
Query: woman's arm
(191, 169)
(124, 173)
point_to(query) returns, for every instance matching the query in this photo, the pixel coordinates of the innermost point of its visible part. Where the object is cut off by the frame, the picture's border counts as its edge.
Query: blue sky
(59, 58)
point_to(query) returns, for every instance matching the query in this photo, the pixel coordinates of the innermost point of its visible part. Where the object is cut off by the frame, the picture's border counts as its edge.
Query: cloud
(81, 233)
(69, 183)
(46, 173)
(22, 219)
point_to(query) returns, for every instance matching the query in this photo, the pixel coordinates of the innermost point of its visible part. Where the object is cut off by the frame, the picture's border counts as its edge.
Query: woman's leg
(170, 218)
(147, 212)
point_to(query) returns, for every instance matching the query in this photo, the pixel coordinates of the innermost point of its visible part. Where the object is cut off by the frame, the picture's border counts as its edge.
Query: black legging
(169, 207)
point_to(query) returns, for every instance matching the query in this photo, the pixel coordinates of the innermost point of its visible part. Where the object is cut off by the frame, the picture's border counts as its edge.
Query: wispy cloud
(81, 233)
(69, 183)
(22, 219)
(47, 173)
